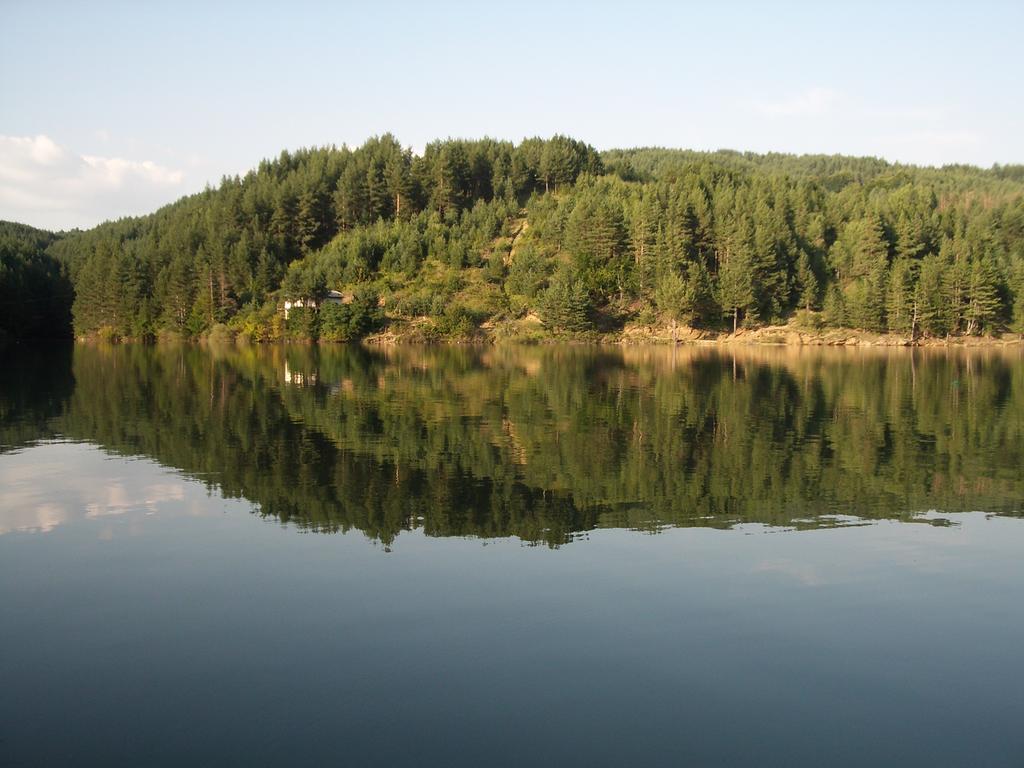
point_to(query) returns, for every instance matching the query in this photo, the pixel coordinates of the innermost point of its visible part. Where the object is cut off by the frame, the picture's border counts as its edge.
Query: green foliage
(900, 308)
(812, 321)
(807, 282)
(304, 282)
(566, 304)
(528, 273)
(595, 237)
(220, 335)
(456, 321)
(303, 324)
(35, 292)
(687, 299)
(933, 306)
(672, 297)
(833, 311)
(351, 320)
(984, 305)
(263, 323)
(1017, 322)
(736, 278)
(752, 238)
(860, 261)
(864, 301)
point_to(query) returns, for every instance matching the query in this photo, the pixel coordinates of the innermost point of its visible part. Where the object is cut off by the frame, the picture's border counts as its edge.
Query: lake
(511, 555)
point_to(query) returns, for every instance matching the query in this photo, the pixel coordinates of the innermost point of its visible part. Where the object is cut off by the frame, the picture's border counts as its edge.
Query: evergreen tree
(643, 236)
(379, 200)
(178, 285)
(596, 238)
(984, 306)
(735, 279)
(834, 307)
(900, 308)
(1017, 321)
(399, 183)
(35, 291)
(933, 307)
(957, 274)
(566, 304)
(807, 282)
(687, 299)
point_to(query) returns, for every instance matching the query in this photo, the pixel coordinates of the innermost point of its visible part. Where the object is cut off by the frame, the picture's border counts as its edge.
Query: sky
(113, 109)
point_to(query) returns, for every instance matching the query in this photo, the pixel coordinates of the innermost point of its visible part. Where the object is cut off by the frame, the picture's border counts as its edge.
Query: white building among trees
(331, 297)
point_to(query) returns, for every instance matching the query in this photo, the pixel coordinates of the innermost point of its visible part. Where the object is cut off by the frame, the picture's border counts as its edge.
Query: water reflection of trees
(35, 385)
(545, 442)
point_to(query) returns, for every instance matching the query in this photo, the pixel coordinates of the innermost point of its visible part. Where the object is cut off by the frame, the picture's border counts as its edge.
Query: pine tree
(807, 282)
(644, 240)
(399, 184)
(909, 239)
(351, 198)
(930, 296)
(735, 280)
(701, 213)
(1017, 323)
(379, 201)
(672, 298)
(900, 297)
(566, 304)
(772, 247)
(957, 277)
(984, 306)
(834, 307)
(178, 285)
(307, 224)
(282, 225)
(92, 308)
(686, 298)
(449, 173)
(596, 238)
(680, 228)
(867, 273)
(556, 163)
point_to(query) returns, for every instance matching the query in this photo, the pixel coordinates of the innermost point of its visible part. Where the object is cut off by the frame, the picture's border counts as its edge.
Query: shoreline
(768, 336)
(412, 334)
(790, 336)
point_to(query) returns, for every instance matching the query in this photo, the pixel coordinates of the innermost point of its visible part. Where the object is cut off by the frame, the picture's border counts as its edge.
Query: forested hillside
(551, 237)
(35, 293)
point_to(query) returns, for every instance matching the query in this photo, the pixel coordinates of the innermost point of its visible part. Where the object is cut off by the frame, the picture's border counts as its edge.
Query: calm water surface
(554, 556)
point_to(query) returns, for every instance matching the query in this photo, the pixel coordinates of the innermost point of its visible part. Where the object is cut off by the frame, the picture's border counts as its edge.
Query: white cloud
(52, 484)
(812, 101)
(47, 185)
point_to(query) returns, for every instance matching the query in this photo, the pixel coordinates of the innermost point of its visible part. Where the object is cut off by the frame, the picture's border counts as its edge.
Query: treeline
(210, 257)
(552, 237)
(35, 291)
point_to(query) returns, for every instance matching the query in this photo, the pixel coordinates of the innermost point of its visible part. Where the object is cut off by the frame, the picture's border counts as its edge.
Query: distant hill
(35, 292)
(488, 233)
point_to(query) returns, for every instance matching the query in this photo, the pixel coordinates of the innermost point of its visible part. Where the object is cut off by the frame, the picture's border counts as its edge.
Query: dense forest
(35, 292)
(551, 237)
(545, 442)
